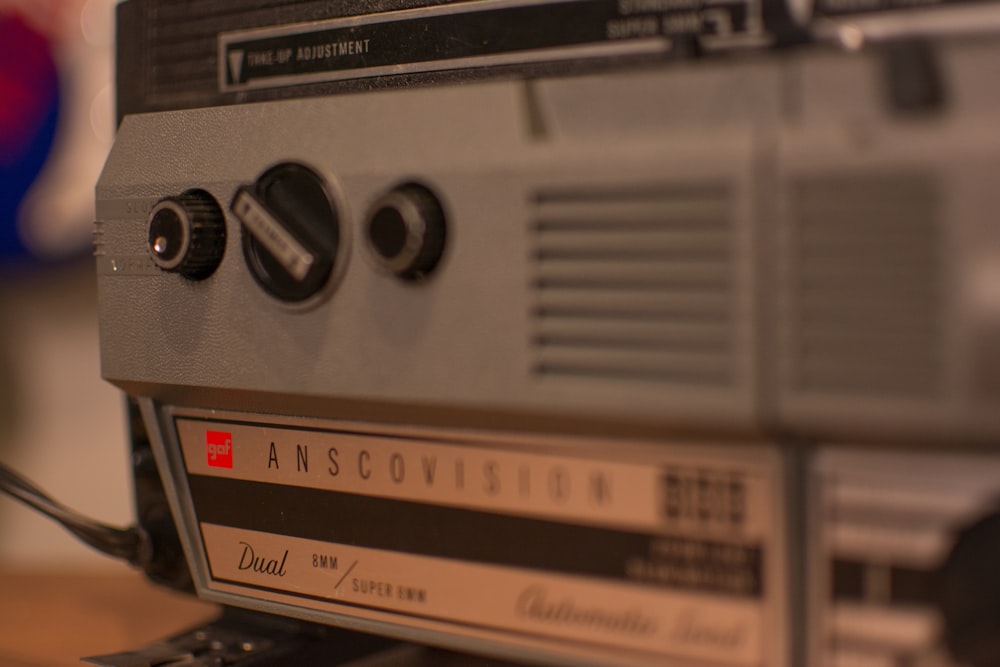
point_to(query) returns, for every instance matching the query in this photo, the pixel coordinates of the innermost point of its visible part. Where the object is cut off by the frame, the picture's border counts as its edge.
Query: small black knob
(970, 594)
(406, 231)
(187, 234)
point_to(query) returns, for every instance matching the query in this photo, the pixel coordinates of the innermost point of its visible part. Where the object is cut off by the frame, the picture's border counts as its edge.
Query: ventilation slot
(866, 286)
(634, 285)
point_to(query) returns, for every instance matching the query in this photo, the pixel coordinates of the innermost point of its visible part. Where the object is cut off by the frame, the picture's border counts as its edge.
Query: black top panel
(168, 50)
(175, 54)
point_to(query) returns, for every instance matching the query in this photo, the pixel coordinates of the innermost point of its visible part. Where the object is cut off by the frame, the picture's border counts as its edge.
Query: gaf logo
(219, 447)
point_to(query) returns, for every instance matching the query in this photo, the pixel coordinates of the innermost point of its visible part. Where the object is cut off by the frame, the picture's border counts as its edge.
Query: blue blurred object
(29, 114)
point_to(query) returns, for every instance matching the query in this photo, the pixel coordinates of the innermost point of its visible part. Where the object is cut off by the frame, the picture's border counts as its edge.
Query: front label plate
(650, 554)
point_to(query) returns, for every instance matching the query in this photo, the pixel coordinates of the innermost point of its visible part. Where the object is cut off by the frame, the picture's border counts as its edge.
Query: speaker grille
(866, 285)
(634, 284)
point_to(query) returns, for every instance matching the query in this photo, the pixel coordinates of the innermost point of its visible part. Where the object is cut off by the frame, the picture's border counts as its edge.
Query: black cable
(131, 544)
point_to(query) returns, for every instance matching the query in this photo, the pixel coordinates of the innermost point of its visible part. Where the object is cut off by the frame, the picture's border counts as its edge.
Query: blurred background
(60, 424)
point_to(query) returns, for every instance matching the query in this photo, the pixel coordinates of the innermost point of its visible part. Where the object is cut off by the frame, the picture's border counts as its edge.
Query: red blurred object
(28, 85)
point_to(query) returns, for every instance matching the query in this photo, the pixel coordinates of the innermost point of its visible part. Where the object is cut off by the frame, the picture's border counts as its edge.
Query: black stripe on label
(468, 535)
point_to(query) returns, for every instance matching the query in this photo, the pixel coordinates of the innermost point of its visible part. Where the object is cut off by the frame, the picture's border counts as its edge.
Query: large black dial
(291, 230)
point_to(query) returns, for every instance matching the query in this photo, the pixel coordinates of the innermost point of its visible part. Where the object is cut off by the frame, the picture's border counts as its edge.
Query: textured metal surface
(439, 343)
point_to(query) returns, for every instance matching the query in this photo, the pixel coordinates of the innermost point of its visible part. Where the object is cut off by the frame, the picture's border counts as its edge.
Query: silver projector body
(587, 355)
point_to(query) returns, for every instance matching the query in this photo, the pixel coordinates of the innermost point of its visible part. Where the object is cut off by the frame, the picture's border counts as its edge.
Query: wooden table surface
(52, 620)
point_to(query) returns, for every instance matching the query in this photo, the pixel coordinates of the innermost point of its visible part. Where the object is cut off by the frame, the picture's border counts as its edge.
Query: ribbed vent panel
(182, 40)
(634, 284)
(866, 286)
(180, 48)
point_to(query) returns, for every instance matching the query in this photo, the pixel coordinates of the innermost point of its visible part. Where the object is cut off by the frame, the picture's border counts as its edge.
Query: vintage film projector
(581, 332)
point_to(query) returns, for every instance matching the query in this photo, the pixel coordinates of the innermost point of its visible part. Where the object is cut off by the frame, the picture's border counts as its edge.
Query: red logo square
(219, 448)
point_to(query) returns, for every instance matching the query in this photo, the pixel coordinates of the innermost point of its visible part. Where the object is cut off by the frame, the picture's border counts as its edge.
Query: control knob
(406, 232)
(291, 231)
(187, 234)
